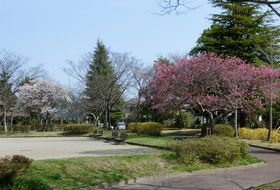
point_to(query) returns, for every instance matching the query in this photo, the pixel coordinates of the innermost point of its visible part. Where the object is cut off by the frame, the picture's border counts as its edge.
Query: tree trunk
(61, 123)
(109, 120)
(235, 124)
(45, 128)
(211, 123)
(12, 119)
(269, 136)
(105, 124)
(242, 120)
(5, 119)
(138, 108)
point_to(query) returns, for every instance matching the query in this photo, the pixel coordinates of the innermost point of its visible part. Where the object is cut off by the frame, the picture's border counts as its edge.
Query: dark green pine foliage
(241, 30)
(100, 64)
(102, 89)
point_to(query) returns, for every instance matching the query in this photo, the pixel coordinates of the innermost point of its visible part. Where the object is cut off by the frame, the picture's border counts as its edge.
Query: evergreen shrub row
(77, 129)
(225, 130)
(214, 150)
(149, 128)
(258, 134)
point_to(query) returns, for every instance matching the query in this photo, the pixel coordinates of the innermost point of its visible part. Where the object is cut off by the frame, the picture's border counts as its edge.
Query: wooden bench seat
(121, 139)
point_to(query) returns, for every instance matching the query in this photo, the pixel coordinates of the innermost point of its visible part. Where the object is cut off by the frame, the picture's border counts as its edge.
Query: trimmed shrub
(10, 166)
(243, 148)
(30, 184)
(214, 150)
(77, 129)
(220, 150)
(253, 134)
(183, 120)
(223, 130)
(258, 134)
(133, 126)
(22, 128)
(149, 128)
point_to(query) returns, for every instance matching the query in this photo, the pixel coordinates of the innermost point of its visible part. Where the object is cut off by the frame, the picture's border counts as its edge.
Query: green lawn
(32, 134)
(270, 186)
(190, 132)
(264, 144)
(150, 140)
(87, 172)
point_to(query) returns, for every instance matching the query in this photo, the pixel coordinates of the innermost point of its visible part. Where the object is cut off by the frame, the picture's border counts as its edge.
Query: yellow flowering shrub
(258, 134)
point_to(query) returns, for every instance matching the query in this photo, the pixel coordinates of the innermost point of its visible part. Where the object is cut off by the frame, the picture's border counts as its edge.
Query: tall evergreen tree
(240, 30)
(101, 84)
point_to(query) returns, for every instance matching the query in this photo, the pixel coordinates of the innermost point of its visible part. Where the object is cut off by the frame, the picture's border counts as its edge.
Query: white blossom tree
(43, 97)
(13, 73)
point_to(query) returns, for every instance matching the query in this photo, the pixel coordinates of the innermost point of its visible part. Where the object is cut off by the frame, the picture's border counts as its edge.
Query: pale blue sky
(49, 32)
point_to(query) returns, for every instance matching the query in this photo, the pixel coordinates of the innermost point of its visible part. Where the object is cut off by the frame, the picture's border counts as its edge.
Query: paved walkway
(39, 148)
(228, 179)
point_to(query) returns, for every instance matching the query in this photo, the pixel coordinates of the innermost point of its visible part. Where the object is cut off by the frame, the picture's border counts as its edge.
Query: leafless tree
(104, 93)
(78, 70)
(12, 74)
(180, 6)
(141, 77)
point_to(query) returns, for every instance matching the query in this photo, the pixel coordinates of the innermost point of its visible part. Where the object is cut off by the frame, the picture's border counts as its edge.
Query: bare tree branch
(181, 6)
(178, 6)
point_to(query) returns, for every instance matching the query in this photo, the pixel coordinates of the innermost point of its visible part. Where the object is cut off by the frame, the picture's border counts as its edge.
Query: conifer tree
(240, 30)
(101, 84)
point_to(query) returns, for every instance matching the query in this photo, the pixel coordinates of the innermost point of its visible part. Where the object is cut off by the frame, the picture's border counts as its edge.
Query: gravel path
(224, 179)
(39, 148)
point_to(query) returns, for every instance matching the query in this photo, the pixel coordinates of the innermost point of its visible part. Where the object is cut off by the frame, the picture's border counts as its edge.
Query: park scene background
(96, 93)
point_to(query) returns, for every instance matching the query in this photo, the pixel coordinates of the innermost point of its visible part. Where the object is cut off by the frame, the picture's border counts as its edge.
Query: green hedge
(149, 128)
(77, 129)
(223, 130)
(214, 150)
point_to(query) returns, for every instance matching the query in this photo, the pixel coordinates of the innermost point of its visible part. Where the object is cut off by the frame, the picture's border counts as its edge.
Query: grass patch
(264, 144)
(77, 173)
(31, 134)
(87, 172)
(157, 141)
(178, 167)
(188, 132)
(270, 186)
(44, 134)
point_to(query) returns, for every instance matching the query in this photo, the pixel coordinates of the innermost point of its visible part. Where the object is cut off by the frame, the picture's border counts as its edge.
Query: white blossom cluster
(42, 96)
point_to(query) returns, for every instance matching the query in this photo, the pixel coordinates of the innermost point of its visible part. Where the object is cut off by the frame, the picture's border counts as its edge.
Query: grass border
(175, 174)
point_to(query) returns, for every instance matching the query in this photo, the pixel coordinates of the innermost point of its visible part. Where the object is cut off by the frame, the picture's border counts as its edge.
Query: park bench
(112, 137)
(121, 138)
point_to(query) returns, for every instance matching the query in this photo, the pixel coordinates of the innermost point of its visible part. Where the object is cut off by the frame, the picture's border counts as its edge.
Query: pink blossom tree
(212, 85)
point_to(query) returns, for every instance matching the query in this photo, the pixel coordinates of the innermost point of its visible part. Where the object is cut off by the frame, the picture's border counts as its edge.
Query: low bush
(10, 166)
(258, 134)
(149, 128)
(205, 129)
(77, 129)
(253, 134)
(184, 120)
(30, 184)
(223, 130)
(22, 128)
(214, 150)
(133, 126)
